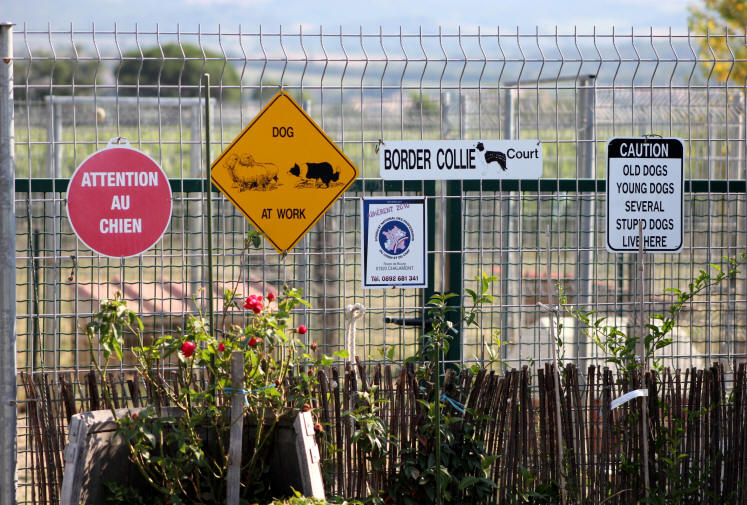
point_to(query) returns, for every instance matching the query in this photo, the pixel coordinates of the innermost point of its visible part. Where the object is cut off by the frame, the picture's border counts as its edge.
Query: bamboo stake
(642, 354)
(233, 478)
(556, 375)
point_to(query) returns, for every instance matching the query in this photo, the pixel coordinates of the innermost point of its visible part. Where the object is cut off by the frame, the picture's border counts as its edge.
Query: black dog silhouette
(491, 156)
(319, 171)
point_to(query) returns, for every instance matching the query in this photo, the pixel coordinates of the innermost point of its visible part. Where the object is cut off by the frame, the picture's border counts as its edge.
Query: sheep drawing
(319, 172)
(253, 175)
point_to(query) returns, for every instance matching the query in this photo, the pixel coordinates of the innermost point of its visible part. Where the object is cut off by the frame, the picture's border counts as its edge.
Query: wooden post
(233, 484)
(552, 312)
(642, 354)
(308, 456)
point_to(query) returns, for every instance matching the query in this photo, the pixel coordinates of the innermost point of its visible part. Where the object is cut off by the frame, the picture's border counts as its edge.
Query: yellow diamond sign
(283, 172)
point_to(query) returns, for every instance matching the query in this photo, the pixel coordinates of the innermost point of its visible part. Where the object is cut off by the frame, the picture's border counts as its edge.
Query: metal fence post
(740, 345)
(51, 289)
(194, 224)
(510, 210)
(587, 214)
(8, 413)
(743, 158)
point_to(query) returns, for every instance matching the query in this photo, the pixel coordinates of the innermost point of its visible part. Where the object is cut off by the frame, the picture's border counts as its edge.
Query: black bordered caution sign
(283, 172)
(645, 195)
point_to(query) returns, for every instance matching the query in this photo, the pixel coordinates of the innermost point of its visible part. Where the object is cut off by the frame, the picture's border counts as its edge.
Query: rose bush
(181, 452)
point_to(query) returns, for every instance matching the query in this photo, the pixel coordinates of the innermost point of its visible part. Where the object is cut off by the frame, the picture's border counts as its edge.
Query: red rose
(254, 303)
(221, 347)
(254, 341)
(301, 329)
(134, 415)
(270, 296)
(188, 349)
(314, 345)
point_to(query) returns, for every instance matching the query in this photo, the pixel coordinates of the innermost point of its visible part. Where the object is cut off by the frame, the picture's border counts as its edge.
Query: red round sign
(119, 202)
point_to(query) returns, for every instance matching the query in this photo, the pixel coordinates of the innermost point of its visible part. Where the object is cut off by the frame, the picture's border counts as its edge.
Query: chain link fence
(76, 89)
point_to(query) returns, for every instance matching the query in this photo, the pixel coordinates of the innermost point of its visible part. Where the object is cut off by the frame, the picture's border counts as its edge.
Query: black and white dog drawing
(320, 172)
(491, 156)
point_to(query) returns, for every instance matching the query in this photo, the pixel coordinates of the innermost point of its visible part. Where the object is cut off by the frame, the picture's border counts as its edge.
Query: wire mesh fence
(76, 89)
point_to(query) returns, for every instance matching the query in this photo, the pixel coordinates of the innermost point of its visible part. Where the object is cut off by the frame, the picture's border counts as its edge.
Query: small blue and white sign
(394, 242)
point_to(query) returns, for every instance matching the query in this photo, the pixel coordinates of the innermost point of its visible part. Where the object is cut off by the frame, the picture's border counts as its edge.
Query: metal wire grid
(572, 91)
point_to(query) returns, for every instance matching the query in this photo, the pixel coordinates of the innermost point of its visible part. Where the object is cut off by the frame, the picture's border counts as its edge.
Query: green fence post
(429, 190)
(453, 267)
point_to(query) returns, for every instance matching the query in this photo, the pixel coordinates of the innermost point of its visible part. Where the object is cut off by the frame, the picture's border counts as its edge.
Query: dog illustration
(319, 172)
(491, 156)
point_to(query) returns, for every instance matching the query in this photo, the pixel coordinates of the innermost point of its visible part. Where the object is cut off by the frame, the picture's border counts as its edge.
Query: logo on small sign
(395, 236)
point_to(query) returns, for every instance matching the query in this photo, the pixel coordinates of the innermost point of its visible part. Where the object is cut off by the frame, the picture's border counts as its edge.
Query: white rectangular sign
(645, 187)
(627, 397)
(403, 160)
(394, 242)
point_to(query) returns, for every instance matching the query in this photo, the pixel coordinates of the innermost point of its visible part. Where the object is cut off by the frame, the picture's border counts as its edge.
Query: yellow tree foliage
(727, 54)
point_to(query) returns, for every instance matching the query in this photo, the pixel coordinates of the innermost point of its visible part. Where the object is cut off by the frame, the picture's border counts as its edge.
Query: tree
(715, 17)
(421, 103)
(43, 75)
(176, 70)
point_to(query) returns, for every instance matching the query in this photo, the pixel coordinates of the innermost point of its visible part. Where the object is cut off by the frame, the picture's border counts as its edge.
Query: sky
(527, 15)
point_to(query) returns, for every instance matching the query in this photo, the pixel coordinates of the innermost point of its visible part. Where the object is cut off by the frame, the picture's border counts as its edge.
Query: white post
(8, 412)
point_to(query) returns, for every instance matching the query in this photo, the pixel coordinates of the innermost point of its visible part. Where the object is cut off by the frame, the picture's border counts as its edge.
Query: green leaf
(467, 482)
(390, 353)
(253, 239)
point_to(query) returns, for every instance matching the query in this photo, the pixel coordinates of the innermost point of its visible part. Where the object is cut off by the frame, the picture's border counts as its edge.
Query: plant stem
(554, 315)
(437, 407)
